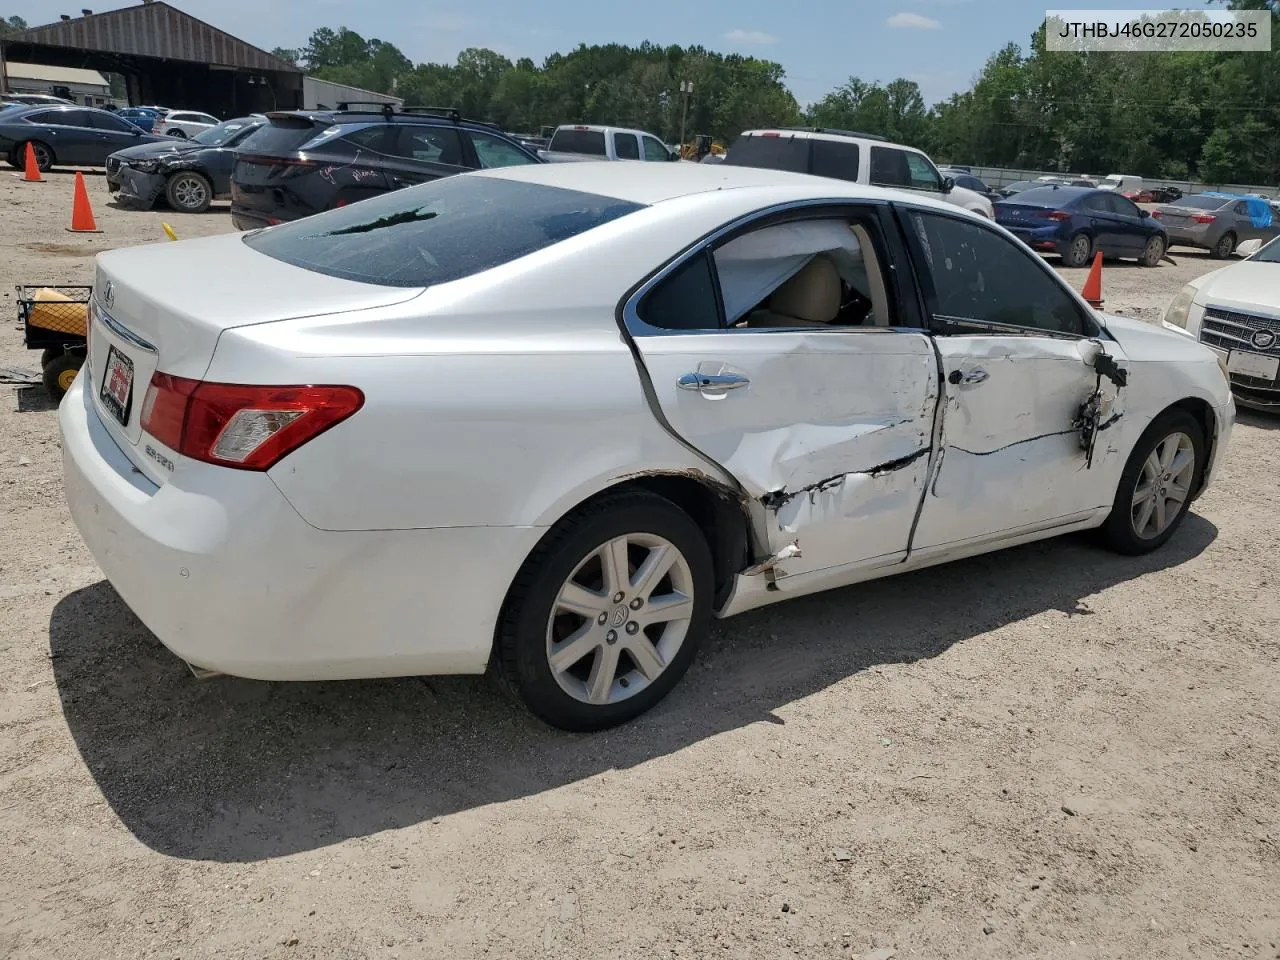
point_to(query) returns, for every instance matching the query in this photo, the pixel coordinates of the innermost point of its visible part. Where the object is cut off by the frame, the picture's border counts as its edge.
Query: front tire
(1162, 474)
(1152, 252)
(188, 192)
(607, 613)
(1077, 252)
(1225, 246)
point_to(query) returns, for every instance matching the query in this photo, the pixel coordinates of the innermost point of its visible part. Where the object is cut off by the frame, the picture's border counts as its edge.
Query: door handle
(972, 377)
(712, 381)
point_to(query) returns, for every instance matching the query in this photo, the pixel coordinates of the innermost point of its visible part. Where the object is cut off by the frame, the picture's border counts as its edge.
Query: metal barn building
(166, 56)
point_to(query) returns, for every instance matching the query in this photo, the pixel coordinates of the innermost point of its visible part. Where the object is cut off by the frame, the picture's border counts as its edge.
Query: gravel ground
(1048, 752)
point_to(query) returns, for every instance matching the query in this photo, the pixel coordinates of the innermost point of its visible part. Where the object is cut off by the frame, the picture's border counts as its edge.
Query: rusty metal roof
(153, 29)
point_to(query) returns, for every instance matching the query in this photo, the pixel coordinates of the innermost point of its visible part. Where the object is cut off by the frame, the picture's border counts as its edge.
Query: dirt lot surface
(1050, 752)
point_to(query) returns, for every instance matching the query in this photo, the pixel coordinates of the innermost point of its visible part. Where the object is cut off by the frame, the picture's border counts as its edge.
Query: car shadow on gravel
(235, 771)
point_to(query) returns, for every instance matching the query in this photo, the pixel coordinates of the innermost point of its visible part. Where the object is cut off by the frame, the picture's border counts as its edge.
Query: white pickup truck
(573, 142)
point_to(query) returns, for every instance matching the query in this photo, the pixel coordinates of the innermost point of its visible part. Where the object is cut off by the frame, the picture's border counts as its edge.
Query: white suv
(186, 123)
(859, 157)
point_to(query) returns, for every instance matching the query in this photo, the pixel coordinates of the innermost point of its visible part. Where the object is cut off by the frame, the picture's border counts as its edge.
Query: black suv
(303, 162)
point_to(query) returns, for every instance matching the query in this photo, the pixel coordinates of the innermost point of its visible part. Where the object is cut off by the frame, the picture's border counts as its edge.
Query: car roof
(1062, 191)
(651, 183)
(604, 128)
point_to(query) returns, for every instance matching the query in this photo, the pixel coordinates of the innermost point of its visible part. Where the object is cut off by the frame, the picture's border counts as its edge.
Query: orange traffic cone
(81, 212)
(32, 172)
(1093, 284)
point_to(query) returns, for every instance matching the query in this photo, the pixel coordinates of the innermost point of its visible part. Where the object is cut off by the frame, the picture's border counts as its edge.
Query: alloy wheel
(620, 618)
(1080, 249)
(189, 192)
(1163, 485)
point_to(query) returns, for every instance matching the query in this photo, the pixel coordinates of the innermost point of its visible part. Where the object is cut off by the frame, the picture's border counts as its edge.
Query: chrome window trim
(631, 308)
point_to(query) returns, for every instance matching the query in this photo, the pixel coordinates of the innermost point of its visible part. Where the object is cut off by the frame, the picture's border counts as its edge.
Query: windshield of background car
(1268, 254)
(771, 153)
(445, 230)
(1201, 202)
(220, 134)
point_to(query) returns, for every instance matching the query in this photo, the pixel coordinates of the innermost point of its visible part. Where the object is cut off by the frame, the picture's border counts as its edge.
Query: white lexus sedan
(552, 419)
(1235, 311)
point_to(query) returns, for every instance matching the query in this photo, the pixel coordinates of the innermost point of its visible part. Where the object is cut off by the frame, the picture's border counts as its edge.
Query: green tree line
(1207, 115)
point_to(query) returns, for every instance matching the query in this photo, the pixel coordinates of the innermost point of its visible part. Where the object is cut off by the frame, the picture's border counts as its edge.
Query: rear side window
(579, 141)
(371, 138)
(832, 158)
(440, 145)
(771, 153)
(889, 167)
(626, 146)
(451, 228)
(684, 300)
(279, 136)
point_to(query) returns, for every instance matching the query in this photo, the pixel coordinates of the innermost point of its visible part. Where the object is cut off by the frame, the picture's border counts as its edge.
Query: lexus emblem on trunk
(109, 294)
(1261, 339)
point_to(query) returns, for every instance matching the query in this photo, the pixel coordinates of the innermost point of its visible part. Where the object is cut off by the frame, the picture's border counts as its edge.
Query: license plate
(1253, 365)
(117, 385)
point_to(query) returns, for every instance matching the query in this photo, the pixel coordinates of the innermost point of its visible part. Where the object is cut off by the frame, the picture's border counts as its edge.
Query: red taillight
(272, 221)
(1057, 215)
(241, 425)
(1156, 214)
(771, 133)
(1204, 218)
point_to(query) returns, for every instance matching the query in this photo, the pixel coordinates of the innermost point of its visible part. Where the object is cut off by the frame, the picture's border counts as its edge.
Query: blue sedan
(1076, 222)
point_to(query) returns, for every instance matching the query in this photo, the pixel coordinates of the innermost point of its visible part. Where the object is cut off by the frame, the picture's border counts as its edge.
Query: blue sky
(941, 44)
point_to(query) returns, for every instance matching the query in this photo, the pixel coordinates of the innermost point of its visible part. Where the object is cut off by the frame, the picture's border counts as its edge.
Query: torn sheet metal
(827, 433)
(1015, 414)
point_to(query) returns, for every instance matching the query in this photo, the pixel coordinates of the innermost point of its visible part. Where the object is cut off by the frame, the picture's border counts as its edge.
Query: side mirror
(1146, 214)
(1249, 248)
(948, 184)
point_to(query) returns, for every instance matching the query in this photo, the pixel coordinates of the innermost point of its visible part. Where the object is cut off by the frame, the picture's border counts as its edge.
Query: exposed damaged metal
(1098, 413)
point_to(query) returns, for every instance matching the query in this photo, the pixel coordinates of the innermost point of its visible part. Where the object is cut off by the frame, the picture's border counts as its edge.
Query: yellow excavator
(701, 146)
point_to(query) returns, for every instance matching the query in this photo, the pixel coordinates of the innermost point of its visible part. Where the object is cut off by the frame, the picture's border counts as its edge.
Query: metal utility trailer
(55, 320)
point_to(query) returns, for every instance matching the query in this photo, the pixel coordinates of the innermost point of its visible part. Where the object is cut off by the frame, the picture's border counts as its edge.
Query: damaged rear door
(1021, 386)
(826, 427)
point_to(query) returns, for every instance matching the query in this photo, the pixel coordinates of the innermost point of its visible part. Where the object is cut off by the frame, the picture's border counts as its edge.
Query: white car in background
(185, 123)
(555, 418)
(858, 157)
(1235, 311)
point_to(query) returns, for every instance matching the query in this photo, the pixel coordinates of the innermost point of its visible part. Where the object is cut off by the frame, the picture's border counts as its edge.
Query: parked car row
(1077, 222)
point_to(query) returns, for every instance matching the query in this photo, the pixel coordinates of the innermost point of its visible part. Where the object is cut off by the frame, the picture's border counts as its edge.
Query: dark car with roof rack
(302, 162)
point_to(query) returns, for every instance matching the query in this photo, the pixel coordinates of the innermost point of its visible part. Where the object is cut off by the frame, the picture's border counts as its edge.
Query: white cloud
(913, 21)
(758, 37)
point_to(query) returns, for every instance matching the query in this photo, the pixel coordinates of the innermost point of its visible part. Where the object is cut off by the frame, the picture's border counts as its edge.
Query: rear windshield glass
(1048, 196)
(579, 141)
(441, 231)
(1201, 203)
(770, 153)
(279, 137)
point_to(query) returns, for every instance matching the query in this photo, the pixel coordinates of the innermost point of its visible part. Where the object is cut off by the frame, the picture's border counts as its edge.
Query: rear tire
(1225, 246)
(572, 621)
(44, 155)
(50, 354)
(1167, 462)
(1152, 252)
(178, 132)
(1079, 247)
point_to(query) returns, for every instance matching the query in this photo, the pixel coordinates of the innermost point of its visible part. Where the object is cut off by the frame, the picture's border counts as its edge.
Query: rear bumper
(1044, 239)
(243, 218)
(1184, 237)
(221, 568)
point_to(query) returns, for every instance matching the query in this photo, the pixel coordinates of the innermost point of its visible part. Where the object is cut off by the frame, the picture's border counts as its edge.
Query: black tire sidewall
(1218, 247)
(1118, 529)
(1148, 261)
(208, 192)
(1070, 255)
(523, 633)
(38, 146)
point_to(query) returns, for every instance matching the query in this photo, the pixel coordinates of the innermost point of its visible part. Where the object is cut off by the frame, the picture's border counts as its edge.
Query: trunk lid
(1012, 212)
(159, 307)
